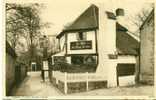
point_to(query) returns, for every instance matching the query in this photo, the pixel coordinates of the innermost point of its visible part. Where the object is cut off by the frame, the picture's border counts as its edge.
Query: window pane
(77, 60)
(81, 36)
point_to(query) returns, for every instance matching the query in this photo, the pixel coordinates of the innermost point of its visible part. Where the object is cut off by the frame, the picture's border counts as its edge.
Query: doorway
(33, 66)
(125, 74)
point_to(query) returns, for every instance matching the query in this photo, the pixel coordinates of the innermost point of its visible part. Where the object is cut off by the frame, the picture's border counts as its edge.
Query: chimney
(106, 40)
(107, 29)
(119, 15)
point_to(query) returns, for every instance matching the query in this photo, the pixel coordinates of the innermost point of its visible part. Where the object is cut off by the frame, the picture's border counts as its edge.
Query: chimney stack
(119, 15)
(119, 12)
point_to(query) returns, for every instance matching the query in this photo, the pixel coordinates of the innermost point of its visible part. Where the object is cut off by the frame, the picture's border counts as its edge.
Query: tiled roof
(88, 20)
(90, 16)
(126, 44)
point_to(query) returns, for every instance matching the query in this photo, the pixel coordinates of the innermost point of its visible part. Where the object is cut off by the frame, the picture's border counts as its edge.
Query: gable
(88, 20)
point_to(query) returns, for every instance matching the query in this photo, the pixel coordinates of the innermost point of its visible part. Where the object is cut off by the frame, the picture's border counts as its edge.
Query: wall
(112, 75)
(10, 72)
(72, 37)
(147, 51)
(106, 42)
(62, 43)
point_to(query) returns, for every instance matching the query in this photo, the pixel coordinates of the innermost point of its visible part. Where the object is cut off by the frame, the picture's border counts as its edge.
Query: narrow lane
(33, 85)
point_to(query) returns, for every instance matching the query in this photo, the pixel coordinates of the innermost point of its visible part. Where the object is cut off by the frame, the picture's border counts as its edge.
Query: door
(33, 67)
(125, 72)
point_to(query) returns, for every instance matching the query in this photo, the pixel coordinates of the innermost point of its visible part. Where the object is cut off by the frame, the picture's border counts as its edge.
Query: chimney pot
(119, 12)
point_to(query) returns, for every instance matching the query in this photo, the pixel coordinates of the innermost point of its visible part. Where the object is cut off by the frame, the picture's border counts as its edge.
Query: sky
(60, 13)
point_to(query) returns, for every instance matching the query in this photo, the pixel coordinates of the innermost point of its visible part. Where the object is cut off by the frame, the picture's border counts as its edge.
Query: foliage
(22, 21)
(23, 27)
(71, 68)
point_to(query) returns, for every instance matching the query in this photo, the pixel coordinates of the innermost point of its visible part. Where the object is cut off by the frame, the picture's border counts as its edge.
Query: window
(77, 60)
(83, 59)
(81, 36)
(125, 69)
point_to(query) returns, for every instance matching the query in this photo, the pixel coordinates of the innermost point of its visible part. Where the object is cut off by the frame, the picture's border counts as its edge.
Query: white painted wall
(62, 43)
(72, 38)
(112, 75)
(106, 36)
(68, 60)
(126, 59)
(127, 80)
(106, 42)
(107, 45)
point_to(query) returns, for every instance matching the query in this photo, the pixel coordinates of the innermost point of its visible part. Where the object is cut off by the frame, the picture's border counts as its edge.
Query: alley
(33, 85)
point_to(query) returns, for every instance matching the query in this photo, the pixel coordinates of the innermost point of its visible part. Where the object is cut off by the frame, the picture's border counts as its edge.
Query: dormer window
(81, 36)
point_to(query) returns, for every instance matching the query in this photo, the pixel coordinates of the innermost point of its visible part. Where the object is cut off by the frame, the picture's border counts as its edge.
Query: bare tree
(23, 21)
(140, 17)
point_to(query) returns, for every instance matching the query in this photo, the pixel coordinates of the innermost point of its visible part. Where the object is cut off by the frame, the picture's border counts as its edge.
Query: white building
(97, 37)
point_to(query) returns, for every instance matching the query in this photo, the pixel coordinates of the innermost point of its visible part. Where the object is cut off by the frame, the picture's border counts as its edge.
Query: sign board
(78, 45)
(45, 65)
(112, 56)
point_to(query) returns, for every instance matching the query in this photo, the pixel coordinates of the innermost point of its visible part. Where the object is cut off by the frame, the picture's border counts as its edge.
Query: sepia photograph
(79, 48)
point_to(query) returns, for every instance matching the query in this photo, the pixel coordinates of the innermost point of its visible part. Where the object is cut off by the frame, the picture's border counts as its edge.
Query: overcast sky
(60, 13)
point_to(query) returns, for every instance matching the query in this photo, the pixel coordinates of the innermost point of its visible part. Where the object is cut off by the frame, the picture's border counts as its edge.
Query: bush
(71, 68)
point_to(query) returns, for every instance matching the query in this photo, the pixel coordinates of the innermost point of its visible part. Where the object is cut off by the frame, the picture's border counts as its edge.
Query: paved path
(34, 86)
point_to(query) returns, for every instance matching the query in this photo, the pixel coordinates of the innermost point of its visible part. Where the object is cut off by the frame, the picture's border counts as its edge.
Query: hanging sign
(45, 65)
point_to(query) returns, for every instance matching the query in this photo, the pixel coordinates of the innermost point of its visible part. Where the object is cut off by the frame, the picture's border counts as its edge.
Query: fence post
(87, 81)
(65, 83)
(52, 73)
(56, 76)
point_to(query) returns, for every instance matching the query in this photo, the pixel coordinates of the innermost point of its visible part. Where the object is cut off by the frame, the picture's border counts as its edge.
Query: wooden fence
(76, 77)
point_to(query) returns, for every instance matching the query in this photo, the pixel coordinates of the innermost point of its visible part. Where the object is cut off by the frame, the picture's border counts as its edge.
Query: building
(97, 38)
(147, 50)
(10, 68)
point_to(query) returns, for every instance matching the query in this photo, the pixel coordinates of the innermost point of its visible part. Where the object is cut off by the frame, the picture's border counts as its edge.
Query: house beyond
(98, 38)
(147, 50)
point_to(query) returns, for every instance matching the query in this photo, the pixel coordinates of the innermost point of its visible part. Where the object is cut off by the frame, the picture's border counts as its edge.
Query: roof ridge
(92, 5)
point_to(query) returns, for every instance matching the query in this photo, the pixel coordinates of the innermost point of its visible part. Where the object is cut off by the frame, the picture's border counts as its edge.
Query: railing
(58, 75)
(76, 77)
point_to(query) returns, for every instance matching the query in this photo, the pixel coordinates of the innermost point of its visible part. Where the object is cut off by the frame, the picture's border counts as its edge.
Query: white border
(2, 54)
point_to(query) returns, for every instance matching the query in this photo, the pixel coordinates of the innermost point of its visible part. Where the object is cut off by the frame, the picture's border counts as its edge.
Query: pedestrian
(43, 75)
